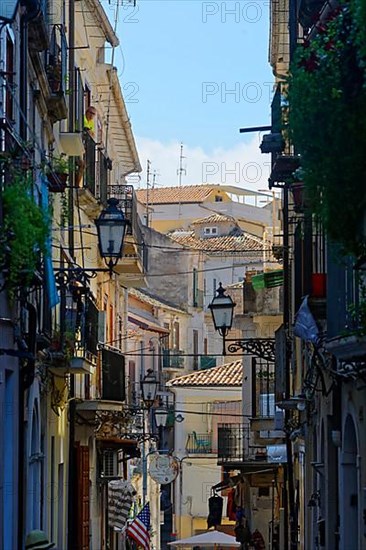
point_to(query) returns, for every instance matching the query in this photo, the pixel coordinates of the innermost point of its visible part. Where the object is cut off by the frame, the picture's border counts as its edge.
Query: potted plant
(57, 174)
(54, 74)
(25, 231)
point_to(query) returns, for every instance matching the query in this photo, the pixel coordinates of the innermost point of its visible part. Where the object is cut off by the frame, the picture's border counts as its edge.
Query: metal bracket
(260, 347)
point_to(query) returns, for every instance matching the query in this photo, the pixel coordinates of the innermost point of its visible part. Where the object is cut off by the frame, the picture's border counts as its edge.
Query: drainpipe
(290, 511)
(72, 492)
(32, 10)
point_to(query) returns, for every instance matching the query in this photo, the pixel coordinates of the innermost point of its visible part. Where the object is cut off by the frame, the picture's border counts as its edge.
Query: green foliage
(59, 164)
(327, 123)
(23, 234)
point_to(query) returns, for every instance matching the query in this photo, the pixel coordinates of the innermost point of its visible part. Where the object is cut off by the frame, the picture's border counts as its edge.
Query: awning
(8, 10)
(146, 324)
(128, 446)
(269, 279)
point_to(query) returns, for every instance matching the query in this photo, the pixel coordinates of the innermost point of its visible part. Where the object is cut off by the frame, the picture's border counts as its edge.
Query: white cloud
(243, 165)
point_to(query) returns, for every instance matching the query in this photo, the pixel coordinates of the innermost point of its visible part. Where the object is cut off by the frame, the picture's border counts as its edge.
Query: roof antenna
(148, 167)
(180, 173)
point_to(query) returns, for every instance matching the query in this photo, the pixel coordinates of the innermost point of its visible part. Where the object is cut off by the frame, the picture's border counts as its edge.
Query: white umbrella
(215, 539)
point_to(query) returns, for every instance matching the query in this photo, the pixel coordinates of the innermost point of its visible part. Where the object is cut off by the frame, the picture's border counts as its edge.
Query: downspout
(32, 10)
(72, 531)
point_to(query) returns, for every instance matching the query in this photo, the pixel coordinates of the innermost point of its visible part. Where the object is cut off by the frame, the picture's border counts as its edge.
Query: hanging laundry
(215, 505)
(120, 498)
(231, 507)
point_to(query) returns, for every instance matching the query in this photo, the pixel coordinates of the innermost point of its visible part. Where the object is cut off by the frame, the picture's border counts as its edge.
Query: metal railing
(207, 362)
(234, 445)
(90, 160)
(198, 443)
(173, 359)
(128, 204)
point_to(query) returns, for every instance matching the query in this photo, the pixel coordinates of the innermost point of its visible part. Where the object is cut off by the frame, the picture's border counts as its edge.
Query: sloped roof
(240, 243)
(184, 194)
(214, 218)
(153, 300)
(226, 375)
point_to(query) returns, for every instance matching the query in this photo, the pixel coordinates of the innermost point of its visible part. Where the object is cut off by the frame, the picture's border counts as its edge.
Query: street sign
(163, 469)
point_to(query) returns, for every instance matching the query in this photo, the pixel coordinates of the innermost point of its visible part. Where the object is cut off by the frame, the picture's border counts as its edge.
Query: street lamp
(111, 226)
(222, 310)
(149, 385)
(161, 416)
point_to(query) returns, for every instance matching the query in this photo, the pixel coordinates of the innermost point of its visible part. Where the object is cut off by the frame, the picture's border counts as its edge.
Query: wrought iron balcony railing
(128, 204)
(173, 359)
(198, 443)
(207, 362)
(234, 445)
(56, 70)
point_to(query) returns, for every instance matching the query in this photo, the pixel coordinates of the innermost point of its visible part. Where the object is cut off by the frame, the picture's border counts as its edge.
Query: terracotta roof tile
(226, 375)
(184, 194)
(214, 218)
(240, 243)
(145, 296)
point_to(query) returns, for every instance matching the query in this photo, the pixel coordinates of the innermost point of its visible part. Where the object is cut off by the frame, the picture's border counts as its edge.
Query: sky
(194, 72)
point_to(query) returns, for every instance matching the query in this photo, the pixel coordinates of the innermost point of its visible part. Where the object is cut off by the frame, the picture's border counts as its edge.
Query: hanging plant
(327, 124)
(24, 233)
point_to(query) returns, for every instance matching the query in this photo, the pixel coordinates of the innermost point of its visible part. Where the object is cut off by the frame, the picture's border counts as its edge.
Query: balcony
(198, 299)
(173, 359)
(199, 443)
(56, 70)
(113, 390)
(134, 252)
(235, 449)
(74, 349)
(37, 31)
(113, 376)
(207, 362)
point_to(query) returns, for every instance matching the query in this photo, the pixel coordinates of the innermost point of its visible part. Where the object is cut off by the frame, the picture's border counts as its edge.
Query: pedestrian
(37, 540)
(89, 127)
(89, 120)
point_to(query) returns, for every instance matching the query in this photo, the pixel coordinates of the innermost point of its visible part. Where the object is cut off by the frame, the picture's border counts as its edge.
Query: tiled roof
(145, 296)
(240, 243)
(226, 375)
(187, 194)
(214, 218)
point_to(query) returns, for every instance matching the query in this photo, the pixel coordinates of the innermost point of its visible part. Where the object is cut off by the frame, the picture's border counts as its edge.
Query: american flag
(139, 528)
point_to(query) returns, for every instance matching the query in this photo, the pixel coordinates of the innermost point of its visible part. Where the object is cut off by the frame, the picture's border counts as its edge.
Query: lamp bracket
(260, 347)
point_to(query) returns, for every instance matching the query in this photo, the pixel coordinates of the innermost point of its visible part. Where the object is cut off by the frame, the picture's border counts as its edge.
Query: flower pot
(297, 191)
(318, 285)
(57, 182)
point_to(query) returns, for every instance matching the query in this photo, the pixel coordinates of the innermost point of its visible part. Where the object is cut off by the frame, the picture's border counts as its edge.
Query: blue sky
(178, 62)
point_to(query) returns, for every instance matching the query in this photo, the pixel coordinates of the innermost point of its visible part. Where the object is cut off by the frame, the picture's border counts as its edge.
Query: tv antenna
(180, 173)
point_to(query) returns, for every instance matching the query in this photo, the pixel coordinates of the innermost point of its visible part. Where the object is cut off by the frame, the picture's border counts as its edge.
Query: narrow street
(182, 275)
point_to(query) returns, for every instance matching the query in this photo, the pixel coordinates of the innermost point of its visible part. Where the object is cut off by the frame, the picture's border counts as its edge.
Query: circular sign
(163, 469)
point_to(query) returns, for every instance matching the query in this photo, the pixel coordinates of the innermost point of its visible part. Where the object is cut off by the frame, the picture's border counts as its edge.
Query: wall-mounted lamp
(149, 385)
(111, 226)
(222, 310)
(336, 437)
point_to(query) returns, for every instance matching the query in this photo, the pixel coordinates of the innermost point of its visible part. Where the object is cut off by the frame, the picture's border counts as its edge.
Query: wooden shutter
(83, 513)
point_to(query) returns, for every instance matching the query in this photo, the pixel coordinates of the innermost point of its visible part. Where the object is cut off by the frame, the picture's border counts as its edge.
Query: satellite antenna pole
(180, 173)
(148, 166)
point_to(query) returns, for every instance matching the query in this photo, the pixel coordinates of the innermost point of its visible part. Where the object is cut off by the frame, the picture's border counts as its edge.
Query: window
(176, 342)
(195, 350)
(207, 231)
(266, 404)
(195, 287)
